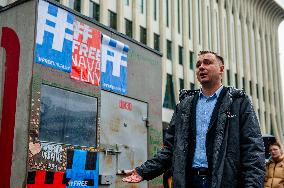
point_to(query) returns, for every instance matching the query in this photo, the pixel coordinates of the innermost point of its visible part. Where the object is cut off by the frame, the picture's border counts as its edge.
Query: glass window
(228, 76)
(181, 83)
(141, 6)
(192, 86)
(143, 35)
(155, 10)
(67, 117)
(263, 93)
(169, 100)
(257, 92)
(180, 54)
(156, 42)
(236, 80)
(77, 5)
(95, 11)
(126, 2)
(128, 28)
(112, 19)
(169, 50)
(191, 61)
(189, 17)
(167, 12)
(178, 12)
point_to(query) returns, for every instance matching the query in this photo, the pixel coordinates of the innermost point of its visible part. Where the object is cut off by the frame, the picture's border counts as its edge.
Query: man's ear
(222, 68)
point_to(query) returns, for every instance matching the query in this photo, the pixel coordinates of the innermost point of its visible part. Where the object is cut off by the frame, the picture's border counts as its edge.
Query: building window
(126, 2)
(181, 83)
(236, 80)
(67, 117)
(178, 12)
(143, 35)
(228, 76)
(169, 50)
(128, 28)
(180, 54)
(192, 86)
(263, 93)
(199, 21)
(155, 10)
(191, 60)
(169, 100)
(189, 17)
(250, 87)
(244, 83)
(112, 20)
(209, 24)
(95, 11)
(141, 6)
(257, 94)
(156, 42)
(75, 4)
(167, 12)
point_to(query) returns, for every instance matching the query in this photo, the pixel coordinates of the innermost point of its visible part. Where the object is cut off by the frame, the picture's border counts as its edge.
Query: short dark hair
(214, 53)
(276, 143)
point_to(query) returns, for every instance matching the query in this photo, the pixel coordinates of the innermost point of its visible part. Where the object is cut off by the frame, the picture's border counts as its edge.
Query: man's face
(275, 151)
(209, 69)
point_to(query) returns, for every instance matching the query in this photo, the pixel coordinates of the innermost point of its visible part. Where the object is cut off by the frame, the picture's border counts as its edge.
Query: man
(213, 140)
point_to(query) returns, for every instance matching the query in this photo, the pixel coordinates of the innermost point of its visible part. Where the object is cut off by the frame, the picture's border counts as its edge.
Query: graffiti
(48, 156)
(44, 179)
(82, 166)
(125, 105)
(52, 152)
(10, 42)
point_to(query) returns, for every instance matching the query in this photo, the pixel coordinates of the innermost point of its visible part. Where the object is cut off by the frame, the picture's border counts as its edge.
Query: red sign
(125, 105)
(86, 54)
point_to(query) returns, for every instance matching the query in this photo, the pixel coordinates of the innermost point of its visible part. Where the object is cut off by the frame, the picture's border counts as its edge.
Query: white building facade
(244, 32)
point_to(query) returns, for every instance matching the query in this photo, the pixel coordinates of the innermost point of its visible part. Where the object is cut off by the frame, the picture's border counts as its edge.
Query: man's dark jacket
(234, 146)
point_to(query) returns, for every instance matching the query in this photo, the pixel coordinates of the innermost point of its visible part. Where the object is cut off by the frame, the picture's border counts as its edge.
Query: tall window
(236, 80)
(155, 10)
(156, 42)
(192, 86)
(257, 92)
(191, 60)
(112, 19)
(126, 2)
(180, 54)
(250, 87)
(169, 100)
(181, 83)
(209, 24)
(141, 6)
(75, 4)
(95, 11)
(189, 17)
(228, 76)
(167, 12)
(178, 12)
(199, 21)
(169, 50)
(128, 28)
(244, 83)
(263, 93)
(143, 35)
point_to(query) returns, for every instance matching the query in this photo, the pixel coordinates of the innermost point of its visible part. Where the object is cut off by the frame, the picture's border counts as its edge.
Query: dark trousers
(199, 182)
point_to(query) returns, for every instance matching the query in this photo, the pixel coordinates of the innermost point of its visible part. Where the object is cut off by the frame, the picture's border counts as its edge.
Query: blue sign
(82, 169)
(54, 37)
(114, 65)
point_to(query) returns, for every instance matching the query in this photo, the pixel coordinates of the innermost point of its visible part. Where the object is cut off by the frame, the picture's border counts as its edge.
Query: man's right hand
(132, 176)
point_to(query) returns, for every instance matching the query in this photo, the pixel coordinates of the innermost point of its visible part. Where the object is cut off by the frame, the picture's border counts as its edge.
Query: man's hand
(132, 176)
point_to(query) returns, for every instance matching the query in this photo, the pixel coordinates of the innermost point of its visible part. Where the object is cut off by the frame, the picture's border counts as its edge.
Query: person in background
(213, 140)
(274, 177)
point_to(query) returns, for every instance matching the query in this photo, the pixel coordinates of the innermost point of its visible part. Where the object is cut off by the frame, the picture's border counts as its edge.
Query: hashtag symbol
(57, 24)
(82, 29)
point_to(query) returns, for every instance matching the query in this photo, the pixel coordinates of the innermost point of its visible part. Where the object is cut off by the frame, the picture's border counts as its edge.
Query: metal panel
(123, 136)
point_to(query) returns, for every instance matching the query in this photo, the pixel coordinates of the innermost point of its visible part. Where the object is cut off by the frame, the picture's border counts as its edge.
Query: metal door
(123, 135)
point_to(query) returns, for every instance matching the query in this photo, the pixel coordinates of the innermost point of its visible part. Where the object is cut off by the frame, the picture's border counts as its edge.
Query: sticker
(47, 156)
(114, 65)
(82, 168)
(54, 37)
(86, 56)
(44, 179)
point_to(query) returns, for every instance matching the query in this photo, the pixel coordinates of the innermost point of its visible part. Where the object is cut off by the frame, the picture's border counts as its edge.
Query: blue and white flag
(54, 37)
(114, 65)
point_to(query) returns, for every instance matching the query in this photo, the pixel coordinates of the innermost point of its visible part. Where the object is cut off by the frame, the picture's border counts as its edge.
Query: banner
(54, 37)
(86, 55)
(114, 65)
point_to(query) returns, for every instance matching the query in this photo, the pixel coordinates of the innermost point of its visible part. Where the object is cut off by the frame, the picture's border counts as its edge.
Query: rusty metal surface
(123, 136)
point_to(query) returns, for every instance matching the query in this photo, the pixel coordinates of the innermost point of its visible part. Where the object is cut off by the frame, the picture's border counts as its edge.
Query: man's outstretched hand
(132, 176)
